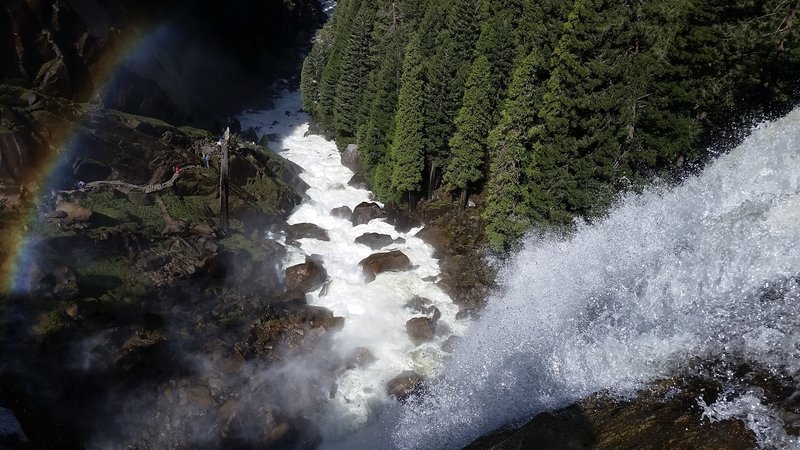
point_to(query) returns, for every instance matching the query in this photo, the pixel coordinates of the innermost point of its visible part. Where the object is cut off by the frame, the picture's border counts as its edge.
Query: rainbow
(17, 240)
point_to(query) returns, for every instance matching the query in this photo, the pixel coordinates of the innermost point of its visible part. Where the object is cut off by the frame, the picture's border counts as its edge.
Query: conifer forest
(546, 110)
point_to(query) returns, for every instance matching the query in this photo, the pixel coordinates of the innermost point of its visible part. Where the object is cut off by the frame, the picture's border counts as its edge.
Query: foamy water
(375, 313)
(669, 275)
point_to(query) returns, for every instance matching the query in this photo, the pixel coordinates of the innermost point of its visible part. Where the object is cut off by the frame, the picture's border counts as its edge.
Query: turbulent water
(702, 270)
(375, 313)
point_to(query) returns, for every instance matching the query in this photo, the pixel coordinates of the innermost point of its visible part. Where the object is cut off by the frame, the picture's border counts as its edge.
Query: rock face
(366, 211)
(394, 261)
(404, 385)
(305, 277)
(663, 416)
(63, 50)
(420, 330)
(374, 241)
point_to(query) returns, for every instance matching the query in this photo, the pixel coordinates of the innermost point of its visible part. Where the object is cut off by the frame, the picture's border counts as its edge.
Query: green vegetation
(548, 109)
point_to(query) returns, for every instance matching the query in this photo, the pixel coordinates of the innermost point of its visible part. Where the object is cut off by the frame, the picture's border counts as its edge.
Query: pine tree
(355, 67)
(407, 144)
(507, 214)
(474, 120)
(446, 72)
(311, 73)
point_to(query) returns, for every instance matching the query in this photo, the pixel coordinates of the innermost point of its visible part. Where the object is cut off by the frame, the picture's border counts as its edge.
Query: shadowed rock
(342, 212)
(351, 158)
(404, 385)
(420, 330)
(358, 181)
(394, 261)
(374, 241)
(366, 211)
(359, 357)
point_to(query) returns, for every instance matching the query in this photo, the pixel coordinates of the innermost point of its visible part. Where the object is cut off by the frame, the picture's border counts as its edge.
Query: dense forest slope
(548, 109)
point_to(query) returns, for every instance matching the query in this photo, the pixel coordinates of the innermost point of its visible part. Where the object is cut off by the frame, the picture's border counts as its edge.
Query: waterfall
(670, 274)
(705, 269)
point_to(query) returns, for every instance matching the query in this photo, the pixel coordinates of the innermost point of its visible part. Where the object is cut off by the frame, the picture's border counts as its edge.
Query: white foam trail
(669, 275)
(374, 313)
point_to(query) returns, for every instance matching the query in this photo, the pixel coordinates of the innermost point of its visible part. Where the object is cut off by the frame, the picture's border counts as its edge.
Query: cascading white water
(375, 313)
(669, 275)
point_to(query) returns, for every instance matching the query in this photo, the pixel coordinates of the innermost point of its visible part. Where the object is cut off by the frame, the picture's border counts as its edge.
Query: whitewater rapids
(375, 313)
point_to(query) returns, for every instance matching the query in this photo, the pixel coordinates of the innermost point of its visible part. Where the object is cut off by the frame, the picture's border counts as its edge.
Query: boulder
(358, 181)
(359, 357)
(305, 230)
(305, 277)
(420, 329)
(394, 261)
(292, 297)
(404, 385)
(200, 396)
(75, 213)
(202, 229)
(55, 215)
(366, 211)
(418, 304)
(342, 212)
(374, 241)
(434, 312)
(351, 158)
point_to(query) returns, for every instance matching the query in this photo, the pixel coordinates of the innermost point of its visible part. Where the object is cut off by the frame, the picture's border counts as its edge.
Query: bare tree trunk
(223, 184)
(462, 202)
(431, 179)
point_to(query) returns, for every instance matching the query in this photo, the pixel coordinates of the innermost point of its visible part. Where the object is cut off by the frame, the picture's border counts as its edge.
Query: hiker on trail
(177, 169)
(206, 158)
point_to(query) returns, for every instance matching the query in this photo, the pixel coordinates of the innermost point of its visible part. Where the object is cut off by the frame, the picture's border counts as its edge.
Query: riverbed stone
(394, 261)
(305, 277)
(364, 212)
(404, 385)
(374, 241)
(420, 330)
(359, 357)
(342, 212)
(351, 158)
(305, 230)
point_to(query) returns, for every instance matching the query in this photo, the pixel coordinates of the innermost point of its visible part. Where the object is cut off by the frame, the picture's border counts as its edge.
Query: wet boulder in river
(420, 329)
(305, 230)
(374, 241)
(305, 277)
(394, 261)
(404, 385)
(342, 212)
(366, 211)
